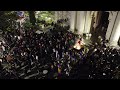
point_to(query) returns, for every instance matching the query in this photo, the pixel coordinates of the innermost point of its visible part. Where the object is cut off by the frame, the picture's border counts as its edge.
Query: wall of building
(82, 21)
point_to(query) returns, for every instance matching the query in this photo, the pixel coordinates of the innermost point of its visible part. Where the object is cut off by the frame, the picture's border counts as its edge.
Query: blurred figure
(79, 44)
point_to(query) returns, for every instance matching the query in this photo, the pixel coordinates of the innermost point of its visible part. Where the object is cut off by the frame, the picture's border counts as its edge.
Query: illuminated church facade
(103, 23)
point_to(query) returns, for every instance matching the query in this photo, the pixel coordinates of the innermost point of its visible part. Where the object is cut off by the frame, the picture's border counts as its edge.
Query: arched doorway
(103, 25)
(99, 25)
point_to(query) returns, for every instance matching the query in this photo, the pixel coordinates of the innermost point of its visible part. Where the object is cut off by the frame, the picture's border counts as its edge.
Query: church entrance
(103, 25)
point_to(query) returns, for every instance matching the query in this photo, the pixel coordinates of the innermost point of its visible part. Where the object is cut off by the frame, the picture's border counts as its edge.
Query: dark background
(53, 5)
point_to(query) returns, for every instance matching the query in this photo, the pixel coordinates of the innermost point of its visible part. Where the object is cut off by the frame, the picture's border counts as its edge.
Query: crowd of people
(51, 55)
(104, 61)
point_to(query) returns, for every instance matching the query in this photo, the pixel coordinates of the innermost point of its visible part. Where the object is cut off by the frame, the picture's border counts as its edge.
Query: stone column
(95, 15)
(80, 21)
(73, 21)
(88, 22)
(56, 16)
(116, 31)
(112, 16)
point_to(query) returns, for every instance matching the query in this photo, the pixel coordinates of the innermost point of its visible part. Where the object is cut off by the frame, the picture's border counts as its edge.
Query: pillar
(96, 17)
(72, 20)
(80, 21)
(116, 31)
(56, 16)
(88, 22)
(112, 16)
